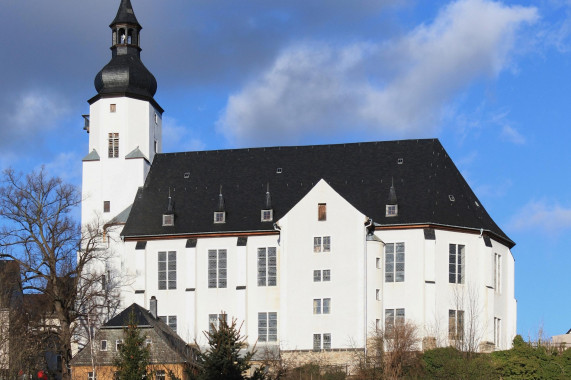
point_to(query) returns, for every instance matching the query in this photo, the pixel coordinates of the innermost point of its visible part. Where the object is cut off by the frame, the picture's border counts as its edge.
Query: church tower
(124, 125)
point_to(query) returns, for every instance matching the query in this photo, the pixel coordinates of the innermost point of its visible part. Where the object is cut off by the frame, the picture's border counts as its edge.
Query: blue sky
(490, 79)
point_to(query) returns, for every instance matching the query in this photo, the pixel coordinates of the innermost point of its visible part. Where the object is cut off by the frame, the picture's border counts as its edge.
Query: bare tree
(40, 233)
(464, 325)
(391, 352)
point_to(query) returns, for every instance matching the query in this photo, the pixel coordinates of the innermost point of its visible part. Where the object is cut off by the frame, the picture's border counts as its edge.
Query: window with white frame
(378, 263)
(317, 342)
(456, 325)
(214, 321)
(497, 332)
(378, 294)
(267, 215)
(317, 306)
(456, 266)
(160, 374)
(321, 275)
(322, 244)
(217, 270)
(170, 321)
(118, 344)
(91, 376)
(391, 210)
(113, 145)
(103, 346)
(394, 262)
(322, 306)
(167, 270)
(498, 272)
(219, 217)
(268, 327)
(393, 317)
(267, 266)
(322, 341)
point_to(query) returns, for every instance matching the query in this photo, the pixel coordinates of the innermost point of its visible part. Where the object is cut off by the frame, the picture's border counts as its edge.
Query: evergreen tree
(134, 355)
(223, 359)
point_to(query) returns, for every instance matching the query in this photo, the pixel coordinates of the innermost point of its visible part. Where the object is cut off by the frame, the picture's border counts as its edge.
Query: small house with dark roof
(168, 352)
(313, 247)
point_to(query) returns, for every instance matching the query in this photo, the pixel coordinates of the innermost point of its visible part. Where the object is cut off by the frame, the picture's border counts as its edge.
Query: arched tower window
(114, 38)
(122, 36)
(130, 36)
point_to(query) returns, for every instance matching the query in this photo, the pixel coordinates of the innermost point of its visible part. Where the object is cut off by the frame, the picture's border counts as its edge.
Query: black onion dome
(126, 74)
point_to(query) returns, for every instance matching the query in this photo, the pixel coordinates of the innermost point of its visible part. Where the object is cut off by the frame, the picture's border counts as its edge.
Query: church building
(314, 247)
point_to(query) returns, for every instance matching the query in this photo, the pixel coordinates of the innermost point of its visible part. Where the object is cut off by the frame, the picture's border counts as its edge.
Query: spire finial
(220, 201)
(268, 198)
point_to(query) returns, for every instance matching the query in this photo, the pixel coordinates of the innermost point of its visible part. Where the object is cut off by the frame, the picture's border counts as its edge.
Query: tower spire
(125, 14)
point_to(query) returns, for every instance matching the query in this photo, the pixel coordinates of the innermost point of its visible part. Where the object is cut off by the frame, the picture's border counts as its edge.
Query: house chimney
(154, 307)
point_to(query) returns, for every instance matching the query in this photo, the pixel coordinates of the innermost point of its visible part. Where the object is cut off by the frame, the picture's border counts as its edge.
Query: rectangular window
(326, 341)
(217, 270)
(394, 262)
(103, 345)
(327, 275)
(322, 244)
(317, 306)
(267, 215)
(393, 317)
(91, 376)
(214, 321)
(167, 270)
(378, 294)
(170, 321)
(498, 272)
(456, 264)
(219, 217)
(327, 244)
(112, 107)
(327, 306)
(497, 332)
(322, 211)
(106, 206)
(118, 344)
(267, 327)
(160, 374)
(267, 266)
(316, 276)
(113, 145)
(456, 324)
(378, 263)
(317, 244)
(317, 342)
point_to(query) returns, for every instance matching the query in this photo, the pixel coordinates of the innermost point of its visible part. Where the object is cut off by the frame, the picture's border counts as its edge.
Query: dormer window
(168, 220)
(392, 210)
(219, 217)
(267, 215)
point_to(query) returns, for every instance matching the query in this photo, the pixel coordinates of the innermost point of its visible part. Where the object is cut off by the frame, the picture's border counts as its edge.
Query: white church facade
(312, 247)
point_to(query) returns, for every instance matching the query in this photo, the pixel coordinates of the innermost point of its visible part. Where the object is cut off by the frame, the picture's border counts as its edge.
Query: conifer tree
(223, 359)
(134, 355)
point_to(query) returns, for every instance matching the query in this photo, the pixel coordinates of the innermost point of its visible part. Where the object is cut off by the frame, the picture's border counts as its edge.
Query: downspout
(368, 224)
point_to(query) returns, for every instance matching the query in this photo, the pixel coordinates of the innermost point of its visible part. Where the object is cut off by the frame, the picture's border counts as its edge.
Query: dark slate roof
(125, 14)
(142, 317)
(179, 350)
(360, 172)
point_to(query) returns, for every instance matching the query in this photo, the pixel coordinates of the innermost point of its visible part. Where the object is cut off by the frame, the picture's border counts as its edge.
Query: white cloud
(511, 134)
(399, 87)
(37, 110)
(548, 216)
(67, 166)
(177, 137)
